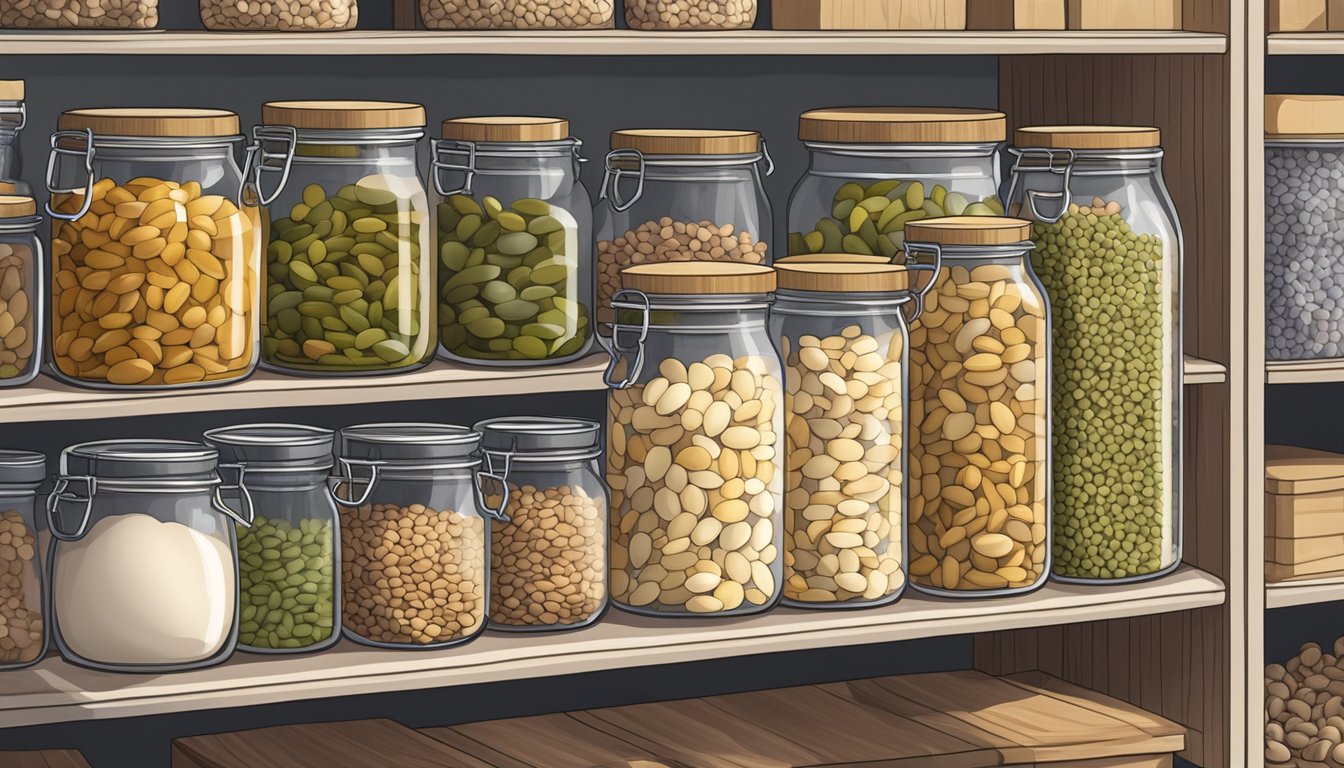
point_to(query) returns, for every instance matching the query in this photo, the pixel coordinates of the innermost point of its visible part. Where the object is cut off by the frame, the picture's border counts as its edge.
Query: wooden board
(1315, 569)
(552, 741)
(1015, 14)
(1294, 517)
(868, 14)
(1334, 15)
(1124, 14)
(1303, 551)
(1297, 15)
(352, 744)
(1294, 470)
(45, 758)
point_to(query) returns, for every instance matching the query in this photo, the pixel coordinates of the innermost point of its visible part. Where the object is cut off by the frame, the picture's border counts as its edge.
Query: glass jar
(349, 281)
(1108, 251)
(979, 513)
(517, 14)
(155, 250)
(515, 242)
(280, 16)
(13, 117)
(20, 291)
(695, 431)
(697, 196)
(22, 595)
(144, 567)
(413, 489)
(548, 559)
(872, 169)
(668, 15)
(65, 14)
(844, 334)
(287, 558)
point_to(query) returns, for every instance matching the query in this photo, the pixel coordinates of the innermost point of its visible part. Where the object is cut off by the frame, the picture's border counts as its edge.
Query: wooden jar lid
(11, 90)
(968, 230)
(843, 277)
(692, 278)
(132, 121)
(673, 141)
(8, 188)
(1303, 116)
(343, 115)
(890, 125)
(12, 206)
(1087, 137)
(832, 258)
(506, 129)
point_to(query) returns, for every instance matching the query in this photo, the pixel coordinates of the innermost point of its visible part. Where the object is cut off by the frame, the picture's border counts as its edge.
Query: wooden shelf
(1304, 371)
(55, 691)
(614, 42)
(1199, 371)
(1306, 43)
(1286, 594)
(49, 400)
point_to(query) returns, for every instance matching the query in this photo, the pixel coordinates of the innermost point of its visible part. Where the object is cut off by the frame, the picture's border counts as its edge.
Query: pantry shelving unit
(1185, 646)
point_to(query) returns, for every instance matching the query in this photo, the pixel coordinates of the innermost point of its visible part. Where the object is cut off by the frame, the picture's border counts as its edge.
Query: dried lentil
(282, 15)
(21, 626)
(517, 14)
(288, 584)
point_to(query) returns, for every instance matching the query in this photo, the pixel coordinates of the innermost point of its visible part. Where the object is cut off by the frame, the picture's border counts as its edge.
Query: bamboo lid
(968, 230)
(14, 205)
(698, 277)
(506, 129)
(1292, 470)
(843, 278)
(1087, 137)
(11, 90)
(674, 141)
(133, 121)
(1302, 116)
(832, 258)
(343, 115)
(887, 125)
(8, 188)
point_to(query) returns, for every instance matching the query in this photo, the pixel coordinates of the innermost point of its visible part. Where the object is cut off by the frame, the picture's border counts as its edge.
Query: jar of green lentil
(288, 591)
(349, 283)
(515, 232)
(1108, 251)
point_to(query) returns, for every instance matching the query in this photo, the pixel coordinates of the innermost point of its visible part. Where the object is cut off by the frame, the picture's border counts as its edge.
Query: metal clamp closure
(58, 151)
(59, 494)
(767, 159)
(21, 110)
(618, 348)
(272, 151)
(611, 178)
(497, 511)
(442, 147)
(348, 479)
(245, 495)
(912, 251)
(1032, 196)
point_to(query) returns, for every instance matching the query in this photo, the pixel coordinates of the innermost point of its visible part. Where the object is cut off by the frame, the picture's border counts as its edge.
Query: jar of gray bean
(1304, 191)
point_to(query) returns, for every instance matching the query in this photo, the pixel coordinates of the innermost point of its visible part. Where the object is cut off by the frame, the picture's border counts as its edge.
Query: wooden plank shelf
(613, 42)
(1306, 43)
(55, 691)
(1286, 594)
(1199, 371)
(1305, 371)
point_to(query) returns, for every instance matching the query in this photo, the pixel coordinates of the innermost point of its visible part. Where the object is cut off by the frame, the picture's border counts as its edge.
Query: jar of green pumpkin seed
(515, 232)
(349, 285)
(871, 170)
(1108, 251)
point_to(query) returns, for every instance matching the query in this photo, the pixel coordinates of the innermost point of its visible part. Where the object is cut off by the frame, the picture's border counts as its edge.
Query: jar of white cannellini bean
(843, 333)
(979, 487)
(695, 430)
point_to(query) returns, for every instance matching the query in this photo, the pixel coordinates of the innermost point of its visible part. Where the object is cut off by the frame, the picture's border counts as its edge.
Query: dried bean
(21, 624)
(60, 14)
(17, 319)
(517, 14)
(291, 565)
(690, 14)
(282, 15)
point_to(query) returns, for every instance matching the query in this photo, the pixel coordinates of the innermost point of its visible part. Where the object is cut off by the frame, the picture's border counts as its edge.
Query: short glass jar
(979, 516)
(515, 242)
(695, 196)
(287, 558)
(22, 592)
(873, 169)
(154, 249)
(280, 15)
(21, 270)
(144, 566)
(843, 330)
(1108, 252)
(65, 14)
(415, 553)
(349, 281)
(695, 431)
(548, 559)
(518, 14)
(13, 117)
(692, 15)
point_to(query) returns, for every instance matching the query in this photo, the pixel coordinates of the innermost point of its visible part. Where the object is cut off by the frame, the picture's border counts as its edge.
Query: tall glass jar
(548, 559)
(287, 558)
(1108, 251)
(674, 195)
(155, 249)
(144, 567)
(415, 553)
(349, 277)
(515, 242)
(980, 394)
(695, 431)
(13, 117)
(21, 291)
(843, 333)
(22, 593)
(873, 169)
